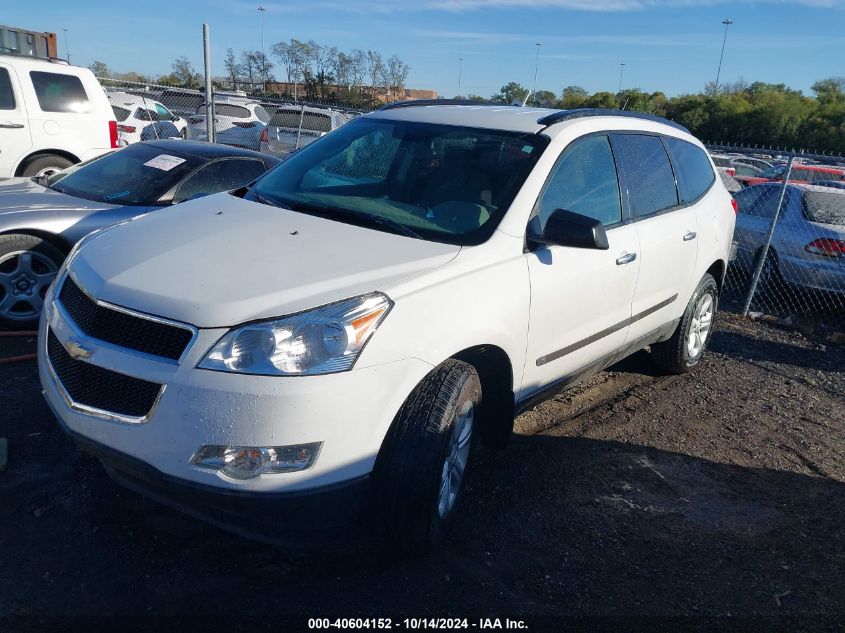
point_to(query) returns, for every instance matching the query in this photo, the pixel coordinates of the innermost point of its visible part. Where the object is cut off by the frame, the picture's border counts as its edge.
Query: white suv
(52, 115)
(332, 339)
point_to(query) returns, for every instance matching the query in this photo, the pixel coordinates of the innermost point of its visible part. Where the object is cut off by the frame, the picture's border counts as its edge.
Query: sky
(667, 45)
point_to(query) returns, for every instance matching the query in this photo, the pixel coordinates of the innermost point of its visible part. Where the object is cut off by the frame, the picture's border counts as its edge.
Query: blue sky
(669, 45)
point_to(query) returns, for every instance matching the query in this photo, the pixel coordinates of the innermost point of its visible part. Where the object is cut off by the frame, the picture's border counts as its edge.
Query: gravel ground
(719, 494)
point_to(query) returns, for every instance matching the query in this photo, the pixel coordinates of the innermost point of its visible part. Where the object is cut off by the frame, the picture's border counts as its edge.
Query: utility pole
(261, 10)
(727, 22)
(536, 68)
(67, 47)
(621, 74)
(460, 72)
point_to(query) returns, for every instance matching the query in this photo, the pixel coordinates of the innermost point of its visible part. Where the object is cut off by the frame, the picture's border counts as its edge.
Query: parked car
(296, 356)
(292, 127)
(52, 115)
(800, 174)
(836, 184)
(143, 119)
(184, 103)
(808, 245)
(41, 219)
(740, 165)
(731, 183)
(237, 122)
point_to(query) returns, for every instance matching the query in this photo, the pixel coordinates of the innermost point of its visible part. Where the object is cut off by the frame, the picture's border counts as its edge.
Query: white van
(52, 115)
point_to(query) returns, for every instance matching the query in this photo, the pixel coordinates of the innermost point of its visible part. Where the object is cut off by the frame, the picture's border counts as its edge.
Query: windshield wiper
(396, 227)
(262, 199)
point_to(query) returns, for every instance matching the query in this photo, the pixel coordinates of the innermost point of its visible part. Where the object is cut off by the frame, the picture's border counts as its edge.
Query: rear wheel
(420, 471)
(46, 165)
(685, 349)
(28, 265)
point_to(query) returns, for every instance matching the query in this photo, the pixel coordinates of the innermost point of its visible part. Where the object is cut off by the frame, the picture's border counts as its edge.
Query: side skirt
(558, 386)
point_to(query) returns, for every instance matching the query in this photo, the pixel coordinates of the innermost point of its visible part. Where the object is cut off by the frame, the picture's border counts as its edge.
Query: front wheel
(685, 349)
(28, 266)
(421, 467)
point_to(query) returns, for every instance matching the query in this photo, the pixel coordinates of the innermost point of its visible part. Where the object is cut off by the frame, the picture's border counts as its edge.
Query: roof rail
(413, 103)
(566, 115)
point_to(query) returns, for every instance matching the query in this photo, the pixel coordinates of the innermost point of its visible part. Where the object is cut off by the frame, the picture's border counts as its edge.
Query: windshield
(825, 207)
(439, 182)
(137, 175)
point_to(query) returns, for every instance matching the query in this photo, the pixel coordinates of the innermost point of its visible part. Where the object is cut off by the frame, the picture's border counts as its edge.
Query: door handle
(626, 259)
(690, 236)
(12, 126)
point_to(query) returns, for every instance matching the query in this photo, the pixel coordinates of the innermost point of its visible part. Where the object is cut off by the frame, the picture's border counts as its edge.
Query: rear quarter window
(59, 93)
(824, 207)
(121, 114)
(310, 120)
(227, 109)
(648, 173)
(7, 96)
(695, 172)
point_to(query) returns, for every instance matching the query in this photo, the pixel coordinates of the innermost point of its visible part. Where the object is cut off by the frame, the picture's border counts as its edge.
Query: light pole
(727, 22)
(621, 74)
(536, 68)
(67, 46)
(261, 10)
(460, 72)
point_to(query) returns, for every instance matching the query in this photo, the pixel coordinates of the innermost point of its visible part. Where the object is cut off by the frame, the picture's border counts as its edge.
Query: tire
(681, 353)
(771, 281)
(428, 443)
(28, 266)
(45, 165)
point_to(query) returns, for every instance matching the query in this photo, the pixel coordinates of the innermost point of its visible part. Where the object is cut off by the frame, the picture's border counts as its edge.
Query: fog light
(245, 462)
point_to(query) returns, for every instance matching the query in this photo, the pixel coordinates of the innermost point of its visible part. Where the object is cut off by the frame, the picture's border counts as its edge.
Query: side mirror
(567, 228)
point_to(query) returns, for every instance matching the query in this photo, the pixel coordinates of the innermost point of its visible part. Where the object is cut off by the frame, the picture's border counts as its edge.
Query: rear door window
(648, 173)
(7, 95)
(584, 181)
(695, 172)
(221, 175)
(59, 93)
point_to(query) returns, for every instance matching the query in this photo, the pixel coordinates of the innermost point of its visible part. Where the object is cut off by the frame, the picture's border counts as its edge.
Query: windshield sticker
(165, 162)
(114, 196)
(527, 149)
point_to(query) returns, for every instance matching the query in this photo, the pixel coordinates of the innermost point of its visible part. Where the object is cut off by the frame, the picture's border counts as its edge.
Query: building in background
(18, 41)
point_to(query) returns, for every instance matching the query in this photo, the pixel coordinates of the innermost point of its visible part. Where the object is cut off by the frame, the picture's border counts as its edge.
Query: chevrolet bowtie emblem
(76, 350)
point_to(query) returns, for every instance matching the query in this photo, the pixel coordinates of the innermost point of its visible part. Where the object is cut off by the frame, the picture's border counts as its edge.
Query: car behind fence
(266, 123)
(788, 258)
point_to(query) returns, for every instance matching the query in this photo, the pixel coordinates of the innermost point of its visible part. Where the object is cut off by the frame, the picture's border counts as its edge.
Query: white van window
(7, 97)
(59, 93)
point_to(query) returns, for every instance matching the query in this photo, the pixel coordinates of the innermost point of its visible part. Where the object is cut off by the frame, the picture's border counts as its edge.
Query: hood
(221, 260)
(23, 194)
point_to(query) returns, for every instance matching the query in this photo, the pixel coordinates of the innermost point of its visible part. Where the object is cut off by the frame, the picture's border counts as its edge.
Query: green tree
(99, 69)
(510, 93)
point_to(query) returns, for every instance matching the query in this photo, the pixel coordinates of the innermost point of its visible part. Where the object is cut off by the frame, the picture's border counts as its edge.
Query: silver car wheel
(455, 463)
(29, 275)
(699, 329)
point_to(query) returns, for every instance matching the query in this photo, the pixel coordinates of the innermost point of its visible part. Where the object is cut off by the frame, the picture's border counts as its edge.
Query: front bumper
(329, 513)
(348, 412)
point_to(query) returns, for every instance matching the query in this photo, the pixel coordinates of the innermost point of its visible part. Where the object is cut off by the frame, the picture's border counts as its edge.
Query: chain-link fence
(788, 256)
(265, 123)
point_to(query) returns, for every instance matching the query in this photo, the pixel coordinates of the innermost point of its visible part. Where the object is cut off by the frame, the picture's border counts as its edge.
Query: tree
(358, 66)
(397, 75)
(375, 68)
(99, 69)
(232, 68)
(184, 72)
(573, 97)
(249, 67)
(510, 93)
(544, 98)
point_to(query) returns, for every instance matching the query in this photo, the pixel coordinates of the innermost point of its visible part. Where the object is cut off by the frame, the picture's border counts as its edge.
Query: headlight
(324, 340)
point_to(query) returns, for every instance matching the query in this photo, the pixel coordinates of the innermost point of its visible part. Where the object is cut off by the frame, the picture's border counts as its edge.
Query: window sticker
(164, 162)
